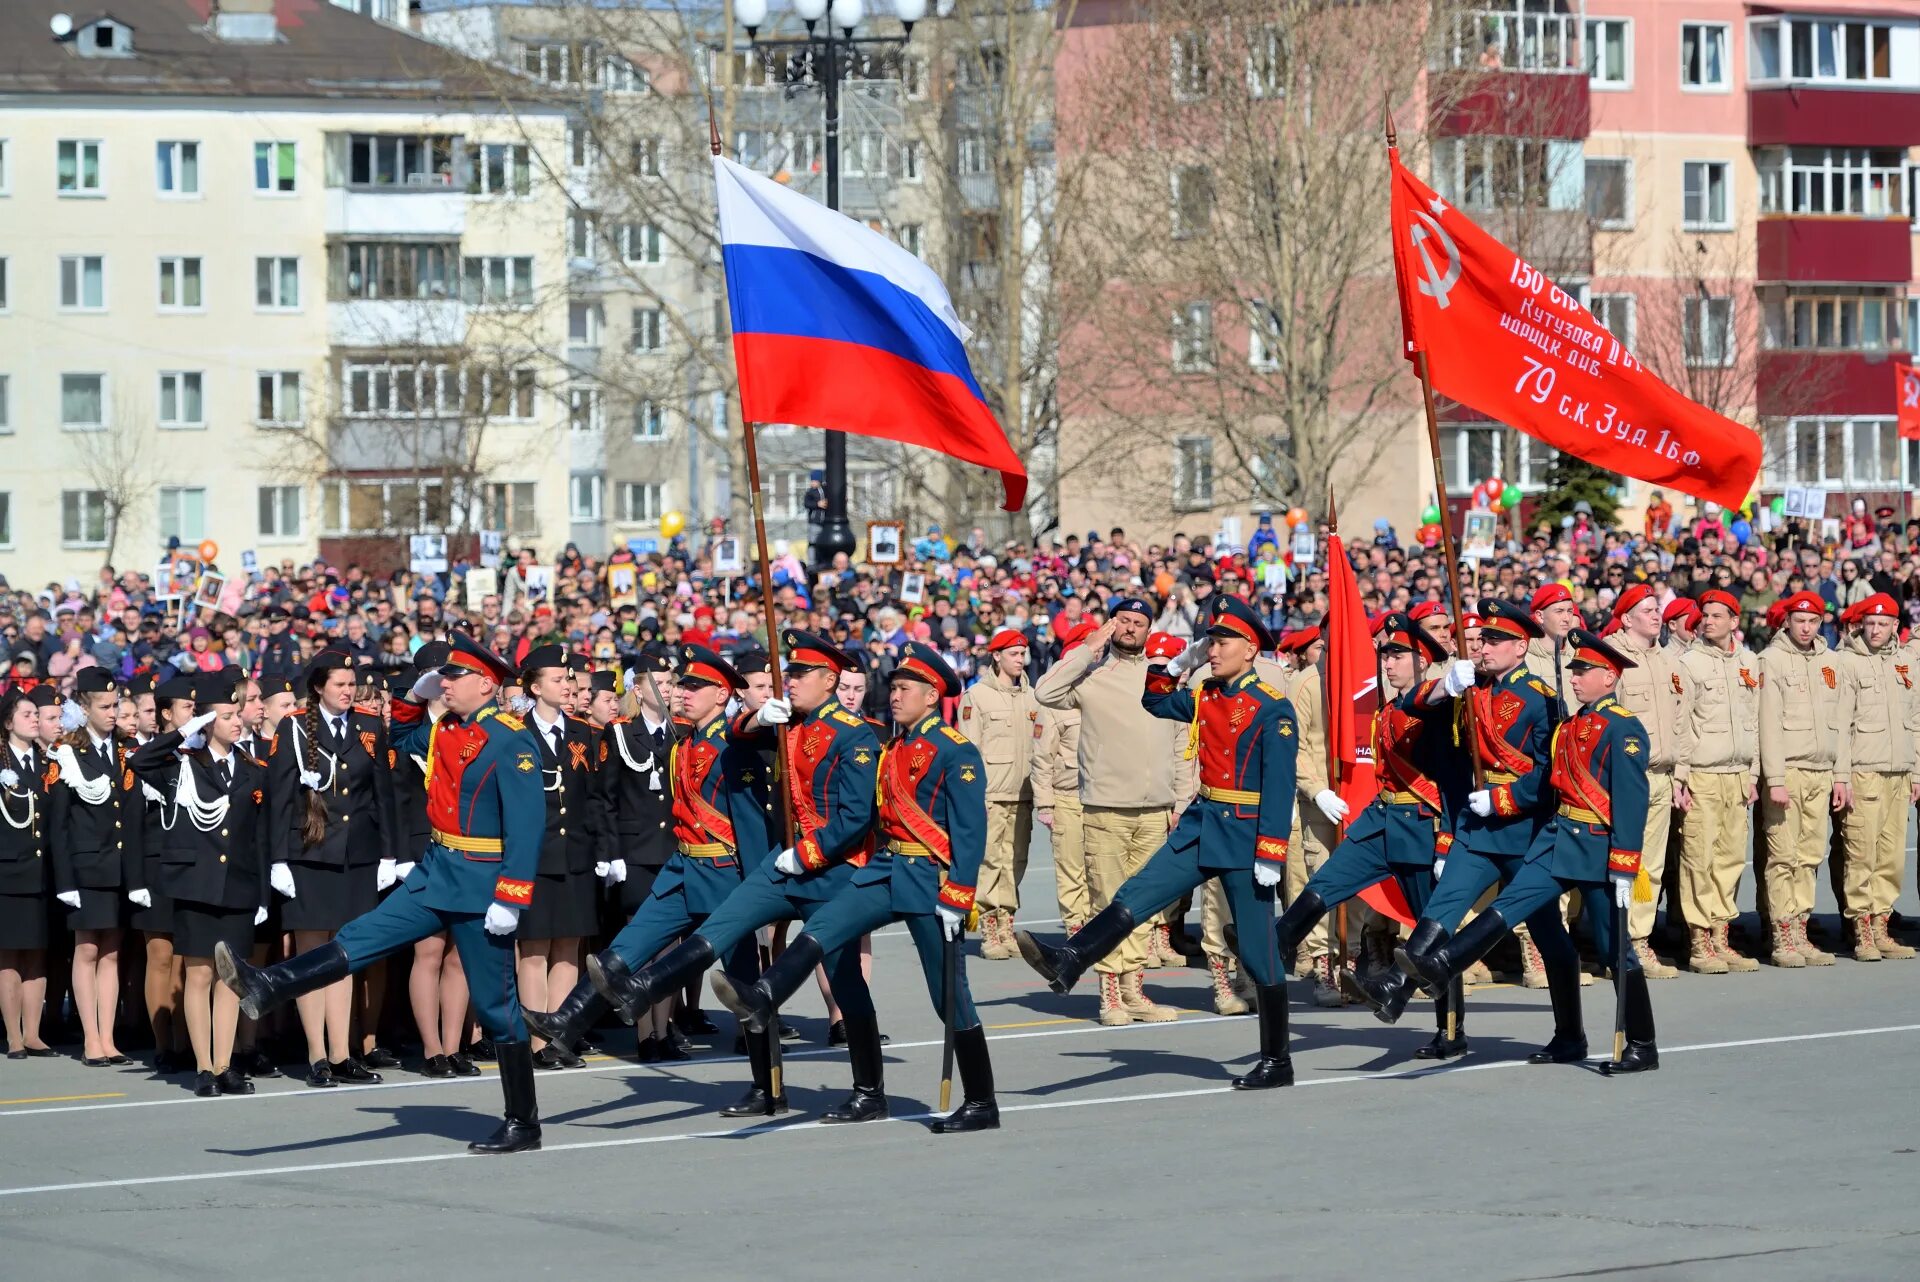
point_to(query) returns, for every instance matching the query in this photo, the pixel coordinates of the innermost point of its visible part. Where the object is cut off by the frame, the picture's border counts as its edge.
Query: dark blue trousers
(765, 897)
(488, 959)
(858, 910)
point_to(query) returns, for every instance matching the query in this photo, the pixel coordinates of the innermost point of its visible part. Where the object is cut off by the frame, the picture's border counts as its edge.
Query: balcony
(406, 211)
(1800, 116)
(1788, 384)
(388, 323)
(1834, 248)
(1515, 72)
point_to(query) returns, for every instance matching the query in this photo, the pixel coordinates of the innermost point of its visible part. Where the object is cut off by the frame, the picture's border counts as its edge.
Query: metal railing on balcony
(1518, 38)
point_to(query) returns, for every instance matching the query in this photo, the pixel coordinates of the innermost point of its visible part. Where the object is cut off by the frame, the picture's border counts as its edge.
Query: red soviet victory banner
(1907, 400)
(1500, 337)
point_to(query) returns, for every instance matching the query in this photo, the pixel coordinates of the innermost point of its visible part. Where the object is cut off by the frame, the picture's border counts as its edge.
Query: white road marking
(255, 1173)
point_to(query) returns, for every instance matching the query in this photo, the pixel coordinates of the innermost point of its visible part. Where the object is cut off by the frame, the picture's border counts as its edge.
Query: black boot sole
(1266, 1076)
(1631, 1064)
(603, 984)
(1430, 981)
(229, 972)
(523, 1143)
(1439, 1049)
(970, 1117)
(542, 1024)
(763, 1108)
(756, 1007)
(1041, 958)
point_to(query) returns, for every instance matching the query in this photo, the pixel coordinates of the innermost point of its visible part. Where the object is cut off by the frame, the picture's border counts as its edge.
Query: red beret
(1007, 638)
(1634, 595)
(1470, 620)
(1681, 610)
(1378, 621)
(1776, 614)
(1427, 610)
(1879, 604)
(1811, 602)
(1164, 645)
(1613, 626)
(1551, 594)
(1714, 596)
(1078, 633)
(1295, 642)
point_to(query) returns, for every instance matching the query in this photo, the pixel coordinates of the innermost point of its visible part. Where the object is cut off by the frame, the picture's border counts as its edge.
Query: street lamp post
(825, 52)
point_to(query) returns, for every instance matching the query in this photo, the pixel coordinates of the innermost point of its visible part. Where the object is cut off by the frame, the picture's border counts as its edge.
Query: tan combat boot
(1864, 948)
(1703, 959)
(1243, 988)
(1786, 945)
(1805, 947)
(1326, 991)
(1533, 971)
(1890, 948)
(1225, 1000)
(1133, 997)
(996, 937)
(1113, 1011)
(1478, 973)
(1160, 951)
(1650, 964)
(1723, 947)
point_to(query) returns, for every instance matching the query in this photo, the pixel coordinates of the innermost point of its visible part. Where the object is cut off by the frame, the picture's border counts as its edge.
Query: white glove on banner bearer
(1459, 678)
(1481, 802)
(501, 919)
(774, 712)
(952, 921)
(788, 862)
(1330, 805)
(280, 877)
(1190, 659)
(1268, 873)
(385, 875)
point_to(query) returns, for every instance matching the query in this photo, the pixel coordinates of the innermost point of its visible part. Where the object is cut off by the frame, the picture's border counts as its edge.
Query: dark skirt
(23, 921)
(327, 898)
(157, 920)
(198, 927)
(563, 908)
(99, 910)
(634, 891)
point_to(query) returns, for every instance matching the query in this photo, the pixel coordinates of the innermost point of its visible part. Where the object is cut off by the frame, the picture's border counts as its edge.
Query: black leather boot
(780, 981)
(563, 1027)
(262, 989)
(1061, 965)
(1275, 1065)
(1302, 915)
(1449, 1008)
(760, 1100)
(978, 1110)
(1387, 992)
(519, 1132)
(1569, 1044)
(631, 992)
(1641, 1055)
(1438, 964)
(868, 1103)
(1427, 935)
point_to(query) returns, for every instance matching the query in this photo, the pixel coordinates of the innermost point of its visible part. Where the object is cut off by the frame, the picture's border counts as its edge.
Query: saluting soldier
(1590, 845)
(1801, 725)
(24, 925)
(484, 800)
(1721, 682)
(932, 825)
(1237, 829)
(1056, 797)
(999, 714)
(832, 755)
(1876, 762)
(163, 974)
(1653, 691)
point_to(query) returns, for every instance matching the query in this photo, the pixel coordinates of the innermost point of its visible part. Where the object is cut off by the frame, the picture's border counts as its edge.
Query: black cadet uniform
(635, 783)
(23, 851)
(564, 901)
(96, 820)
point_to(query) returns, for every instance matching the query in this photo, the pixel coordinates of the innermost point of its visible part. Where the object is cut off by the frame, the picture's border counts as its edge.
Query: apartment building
(275, 276)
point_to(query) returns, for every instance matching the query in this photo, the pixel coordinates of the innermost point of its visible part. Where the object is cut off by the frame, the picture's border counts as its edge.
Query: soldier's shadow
(649, 1088)
(1127, 1063)
(438, 1120)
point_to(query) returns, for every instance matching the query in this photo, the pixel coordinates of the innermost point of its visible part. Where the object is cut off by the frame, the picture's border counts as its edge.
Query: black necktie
(555, 732)
(226, 771)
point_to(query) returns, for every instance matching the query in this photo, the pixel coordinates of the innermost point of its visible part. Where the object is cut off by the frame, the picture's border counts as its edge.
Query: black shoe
(1062, 965)
(978, 1110)
(482, 1051)
(693, 1021)
(380, 1057)
(231, 1081)
(96, 1061)
(320, 1074)
(1450, 1010)
(566, 1026)
(673, 1050)
(519, 1132)
(437, 1066)
(255, 1063)
(760, 1001)
(788, 1033)
(837, 1033)
(204, 1087)
(1275, 1065)
(352, 1071)
(1639, 1057)
(760, 1099)
(165, 1063)
(16, 1054)
(42, 1052)
(118, 1061)
(547, 1057)
(462, 1066)
(648, 1051)
(1561, 1050)
(262, 989)
(571, 1059)
(756, 1103)
(868, 1102)
(1441, 1048)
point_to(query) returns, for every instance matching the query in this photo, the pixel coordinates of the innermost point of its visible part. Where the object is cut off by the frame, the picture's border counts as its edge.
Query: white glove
(280, 877)
(501, 919)
(1330, 805)
(140, 898)
(427, 688)
(1190, 658)
(8, 778)
(1622, 893)
(774, 712)
(384, 876)
(788, 862)
(403, 870)
(1459, 678)
(616, 872)
(194, 727)
(259, 916)
(600, 869)
(952, 921)
(1439, 866)
(1268, 873)
(1481, 802)
(310, 780)
(71, 898)
(72, 716)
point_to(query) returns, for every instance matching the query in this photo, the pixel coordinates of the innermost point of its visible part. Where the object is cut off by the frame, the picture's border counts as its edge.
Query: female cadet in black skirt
(565, 904)
(213, 863)
(156, 708)
(23, 877)
(97, 818)
(331, 830)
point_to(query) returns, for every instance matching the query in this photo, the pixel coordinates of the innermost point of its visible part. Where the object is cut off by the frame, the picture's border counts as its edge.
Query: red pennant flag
(1907, 400)
(1501, 337)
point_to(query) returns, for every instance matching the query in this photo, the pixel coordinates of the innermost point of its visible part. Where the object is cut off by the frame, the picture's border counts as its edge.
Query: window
(1511, 36)
(183, 513)
(584, 409)
(1859, 181)
(640, 501)
(973, 154)
(912, 238)
(584, 496)
(1192, 201)
(646, 156)
(6, 519)
(4, 297)
(279, 511)
(1191, 71)
(180, 285)
(1615, 312)
(1704, 203)
(1510, 173)
(276, 283)
(79, 172)
(1839, 323)
(375, 505)
(1838, 452)
(509, 508)
(863, 153)
(649, 422)
(273, 168)
(1703, 55)
(500, 393)
(1193, 337)
(83, 401)
(1267, 63)
(498, 281)
(1193, 472)
(582, 235)
(181, 403)
(1833, 50)
(913, 76)
(6, 169)
(910, 163)
(400, 160)
(1263, 336)
(617, 75)
(177, 168)
(277, 397)
(6, 410)
(649, 330)
(1610, 191)
(404, 389)
(583, 324)
(1706, 332)
(83, 518)
(580, 147)
(558, 62)
(787, 494)
(371, 269)
(640, 243)
(501, 169)
(83, 283)
(1610, 53)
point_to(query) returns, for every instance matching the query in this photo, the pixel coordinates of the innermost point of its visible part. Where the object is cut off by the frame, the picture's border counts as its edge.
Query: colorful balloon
(1296, 516)
(1431, 516)
(1779, 506)
(671, 523)
(1494, 486)
(209, 550)
(1510, 498)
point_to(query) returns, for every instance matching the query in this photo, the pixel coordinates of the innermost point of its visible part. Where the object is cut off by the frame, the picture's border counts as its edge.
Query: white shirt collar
(546, 727)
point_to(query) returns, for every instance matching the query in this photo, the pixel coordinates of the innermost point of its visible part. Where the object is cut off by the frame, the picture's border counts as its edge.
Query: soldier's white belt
(472, 845)
(1231, 796)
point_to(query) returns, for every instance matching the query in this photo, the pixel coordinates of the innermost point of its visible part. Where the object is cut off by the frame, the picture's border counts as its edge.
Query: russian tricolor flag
(835, 326)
